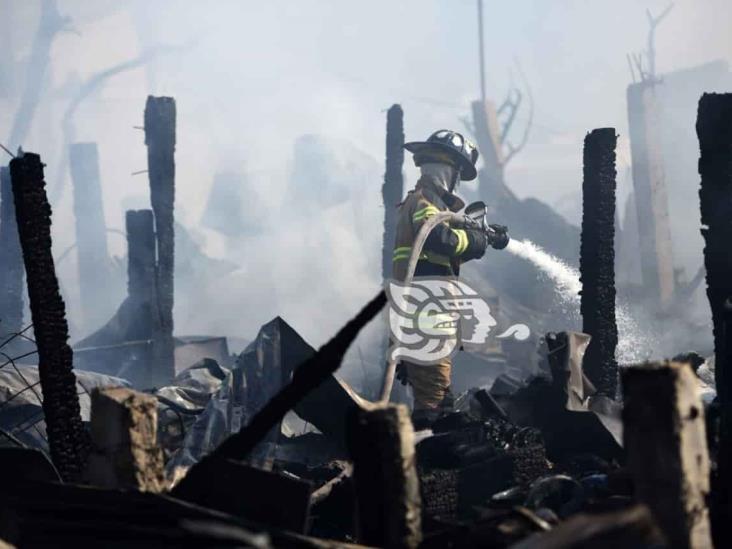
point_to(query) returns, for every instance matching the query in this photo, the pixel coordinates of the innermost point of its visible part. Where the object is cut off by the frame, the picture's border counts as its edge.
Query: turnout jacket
(445, 247)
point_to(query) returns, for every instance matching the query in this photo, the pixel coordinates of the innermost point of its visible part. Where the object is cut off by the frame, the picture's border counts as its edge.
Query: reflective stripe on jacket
(442, 250)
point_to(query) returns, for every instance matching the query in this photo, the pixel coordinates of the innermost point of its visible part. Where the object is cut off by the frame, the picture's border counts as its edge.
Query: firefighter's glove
(477, 243)
(500, 238)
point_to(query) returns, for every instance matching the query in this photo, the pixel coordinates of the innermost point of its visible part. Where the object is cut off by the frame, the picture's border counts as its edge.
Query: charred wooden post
(67, 440)
(125, 453)
(140, 229)
(141, 282)
(649, 185)
(665, 440)
(714, 130)
(597, 260)
(393, 188)
(91, 230)
(11, 261)
(160, 140)
(388, 500)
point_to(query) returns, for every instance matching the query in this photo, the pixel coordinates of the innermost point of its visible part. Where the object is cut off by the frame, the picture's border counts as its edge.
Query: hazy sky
(249, 77)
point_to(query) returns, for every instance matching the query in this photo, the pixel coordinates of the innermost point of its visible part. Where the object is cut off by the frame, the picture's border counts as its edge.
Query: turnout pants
(429, 383)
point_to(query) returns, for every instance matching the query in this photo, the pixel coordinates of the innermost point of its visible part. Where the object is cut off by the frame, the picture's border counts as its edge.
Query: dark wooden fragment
(264, 497)
(140, 257)
(160, 116)
(67, 439)
(597, 260)
(714, 130)
(125, 342)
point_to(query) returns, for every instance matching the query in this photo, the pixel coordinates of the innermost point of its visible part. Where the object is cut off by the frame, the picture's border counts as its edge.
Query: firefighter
(444, 159)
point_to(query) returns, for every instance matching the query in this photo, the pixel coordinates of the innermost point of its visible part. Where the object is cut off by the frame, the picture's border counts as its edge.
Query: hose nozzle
(497, 236)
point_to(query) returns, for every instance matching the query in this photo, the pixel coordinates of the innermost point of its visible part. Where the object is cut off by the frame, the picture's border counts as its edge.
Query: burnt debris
(68, 441)
(714, 129)
(597, 259)
(160, 116)
(196, 486)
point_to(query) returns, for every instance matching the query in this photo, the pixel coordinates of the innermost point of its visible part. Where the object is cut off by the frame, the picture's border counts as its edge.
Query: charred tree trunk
(714, 129)
(649, 185)
(11, 262)
(597, 260)
(160, 140)
(67, 439)
(91, 231)
(393, 188)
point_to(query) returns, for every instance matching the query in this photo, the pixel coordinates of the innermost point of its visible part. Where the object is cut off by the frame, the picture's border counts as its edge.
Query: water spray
(633, 346)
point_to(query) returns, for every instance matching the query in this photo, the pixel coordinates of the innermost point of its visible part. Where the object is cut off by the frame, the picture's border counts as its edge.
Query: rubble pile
(510, 464)
(495, 470)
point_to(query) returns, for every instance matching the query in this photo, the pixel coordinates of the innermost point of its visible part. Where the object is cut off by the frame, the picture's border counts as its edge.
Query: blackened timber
(67, 439)
(140, 229)
(91, 230)
(393, 188)
(11, 261)
(141, 282)
(714, 130)
(597, 259)
(160, 116)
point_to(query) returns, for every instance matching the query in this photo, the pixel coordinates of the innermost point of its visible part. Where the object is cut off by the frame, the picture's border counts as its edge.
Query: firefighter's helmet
(447, 146)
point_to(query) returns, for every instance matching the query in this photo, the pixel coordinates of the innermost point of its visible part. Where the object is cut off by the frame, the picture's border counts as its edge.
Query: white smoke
(254, 76)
